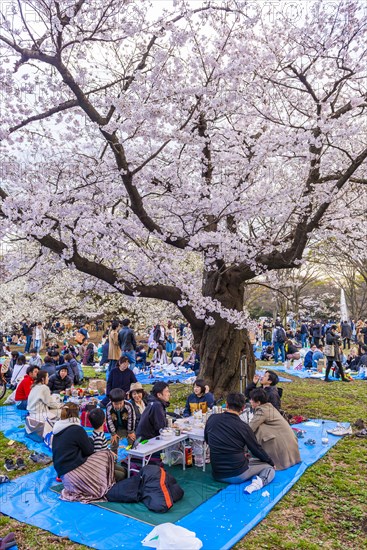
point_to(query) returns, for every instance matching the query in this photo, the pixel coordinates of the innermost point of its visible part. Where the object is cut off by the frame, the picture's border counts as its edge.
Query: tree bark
(222, 345)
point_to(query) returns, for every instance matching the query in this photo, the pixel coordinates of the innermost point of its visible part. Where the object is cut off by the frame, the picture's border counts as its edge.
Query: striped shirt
(99, 441)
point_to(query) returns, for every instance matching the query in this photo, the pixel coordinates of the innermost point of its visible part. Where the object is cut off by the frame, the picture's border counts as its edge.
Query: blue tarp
(219, 522)
(161, 376)
(310, 374)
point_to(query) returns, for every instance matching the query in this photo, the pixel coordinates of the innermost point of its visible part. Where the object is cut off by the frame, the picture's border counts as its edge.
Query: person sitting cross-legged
(97, 419)
(121, 420)
(273, 432)
(230, 439)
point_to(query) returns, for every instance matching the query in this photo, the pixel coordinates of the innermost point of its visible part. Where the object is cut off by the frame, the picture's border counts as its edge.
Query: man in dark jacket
(120, 377)
(317, 333)
(230, 439)
(60, 381)
(27, 332)
(153, 418)
(127, 342)
(73, 368)
(346, 330)
(268, 383)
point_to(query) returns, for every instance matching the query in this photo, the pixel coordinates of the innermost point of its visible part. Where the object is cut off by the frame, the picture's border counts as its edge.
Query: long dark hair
(41, 377)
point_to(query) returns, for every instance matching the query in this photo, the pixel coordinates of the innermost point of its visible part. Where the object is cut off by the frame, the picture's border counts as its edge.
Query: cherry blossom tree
(178, 153)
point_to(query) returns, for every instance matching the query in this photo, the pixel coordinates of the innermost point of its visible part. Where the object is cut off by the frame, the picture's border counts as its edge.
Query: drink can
(169, 421)
(215, 409)
(177, 431)
(188, 455)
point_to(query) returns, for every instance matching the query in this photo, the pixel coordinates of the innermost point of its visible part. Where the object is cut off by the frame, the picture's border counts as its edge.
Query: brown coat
(275, 436)
(114, 352)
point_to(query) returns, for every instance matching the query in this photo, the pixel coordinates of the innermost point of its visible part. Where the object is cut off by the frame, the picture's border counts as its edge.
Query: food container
(167, 433)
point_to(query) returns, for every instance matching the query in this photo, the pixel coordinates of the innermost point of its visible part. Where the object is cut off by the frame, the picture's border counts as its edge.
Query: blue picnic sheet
(219, 522)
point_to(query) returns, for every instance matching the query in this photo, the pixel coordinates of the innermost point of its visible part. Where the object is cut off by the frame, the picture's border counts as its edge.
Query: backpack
(280, 335)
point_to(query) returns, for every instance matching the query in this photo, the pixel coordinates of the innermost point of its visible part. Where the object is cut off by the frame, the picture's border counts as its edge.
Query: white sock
(256, 484)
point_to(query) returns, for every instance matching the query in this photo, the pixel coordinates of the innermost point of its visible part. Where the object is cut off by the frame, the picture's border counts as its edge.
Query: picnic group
(240, 447)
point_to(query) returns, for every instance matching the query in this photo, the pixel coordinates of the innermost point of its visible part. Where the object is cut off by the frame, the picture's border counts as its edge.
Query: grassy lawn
(325, 509)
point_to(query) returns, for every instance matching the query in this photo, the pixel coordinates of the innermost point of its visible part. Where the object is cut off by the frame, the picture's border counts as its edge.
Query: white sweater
(40, 401)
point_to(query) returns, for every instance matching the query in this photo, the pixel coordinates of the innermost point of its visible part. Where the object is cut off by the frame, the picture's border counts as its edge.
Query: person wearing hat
(138, 399)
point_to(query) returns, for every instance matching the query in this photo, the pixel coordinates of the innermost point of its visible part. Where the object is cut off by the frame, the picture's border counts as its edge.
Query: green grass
(325, 509)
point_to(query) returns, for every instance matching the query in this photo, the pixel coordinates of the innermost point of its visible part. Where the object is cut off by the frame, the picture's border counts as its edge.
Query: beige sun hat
(136, 386)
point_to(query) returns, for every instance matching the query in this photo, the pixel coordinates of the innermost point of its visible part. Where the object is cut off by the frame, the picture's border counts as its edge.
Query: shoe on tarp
(340, 430)
(40, 458)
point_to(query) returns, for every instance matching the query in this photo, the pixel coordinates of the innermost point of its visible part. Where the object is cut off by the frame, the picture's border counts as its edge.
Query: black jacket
(120, 379)
(229, 438)
(70, 449)
(271, 392)
(58, 384)
(152, 419)
(127, 340)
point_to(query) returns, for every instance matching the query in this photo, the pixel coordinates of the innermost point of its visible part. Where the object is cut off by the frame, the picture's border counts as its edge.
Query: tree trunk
(221, 344)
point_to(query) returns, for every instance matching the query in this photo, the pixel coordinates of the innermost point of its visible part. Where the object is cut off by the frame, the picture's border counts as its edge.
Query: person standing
(171, 336)
(39, 337)
(304, 334)
(279, 338)
(114, 351)
(346, 331)
(316, 333)
(27, 333)
(127, 342)
(332, 352)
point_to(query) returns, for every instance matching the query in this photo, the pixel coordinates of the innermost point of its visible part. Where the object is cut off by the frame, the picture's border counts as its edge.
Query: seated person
(160, 356)
(193, 361)
(19, 371)
(73, 368)
(353, 360)
(88, 356)
(35, 360)
(153, 418)
(86, 475)
(307, 363)
(120, 377)
(291, 350)
(268, 382)
(141, 358)
(41, 405)
(60, 381)
(24, 388)
(97, 419)
(120, 417)
(267, 354)
(49, 366)
(138, 399)
(273, 432)
(200, 399)
(230, 439)
(317, 355)
(178, 356)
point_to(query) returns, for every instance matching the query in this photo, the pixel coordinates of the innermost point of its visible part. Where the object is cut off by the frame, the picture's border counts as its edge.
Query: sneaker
(9, 465)
(340, 430)
(255, 485)
(362, 433)
(20, 464)
(59, 480)
(4, 479)
(40, 458)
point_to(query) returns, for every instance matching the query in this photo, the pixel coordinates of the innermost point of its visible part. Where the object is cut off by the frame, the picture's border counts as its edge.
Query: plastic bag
(169, 536)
